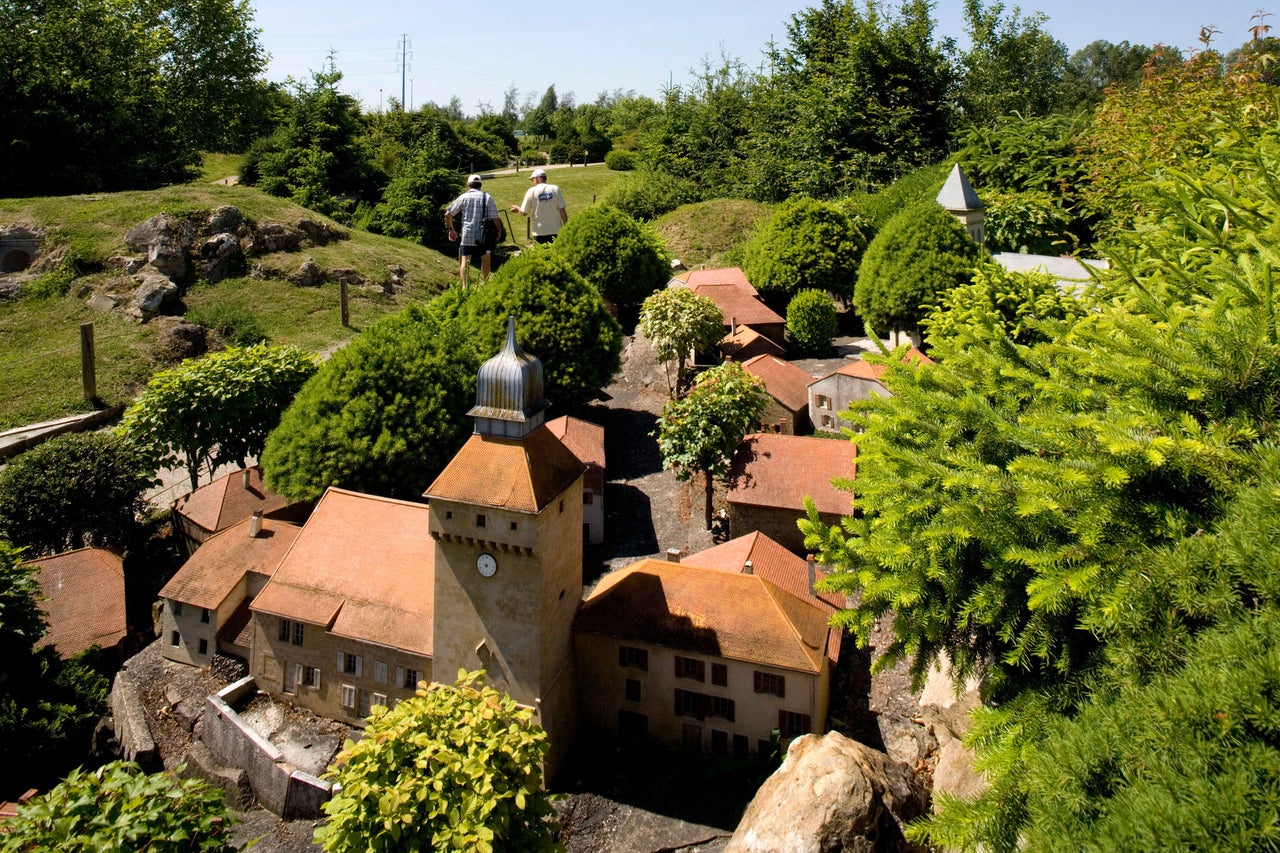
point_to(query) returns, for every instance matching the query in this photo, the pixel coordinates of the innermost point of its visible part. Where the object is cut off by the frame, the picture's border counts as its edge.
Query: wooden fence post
(88, 370)
(342, 298)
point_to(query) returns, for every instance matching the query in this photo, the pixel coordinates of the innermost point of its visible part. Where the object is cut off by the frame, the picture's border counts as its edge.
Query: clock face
(486, 565)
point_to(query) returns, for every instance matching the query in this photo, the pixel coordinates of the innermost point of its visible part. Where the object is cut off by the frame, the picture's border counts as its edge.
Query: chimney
(813, 570)
(673, 555)
(255, 524)
(733, 325)
(747, 568)
(244, 478)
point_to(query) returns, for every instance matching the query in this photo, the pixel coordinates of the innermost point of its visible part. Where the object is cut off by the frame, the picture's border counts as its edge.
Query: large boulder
(219, 257)
(164, 239)
(273, 237)
(831, 794)
(946, 709)
(224, 219)
(155, 293)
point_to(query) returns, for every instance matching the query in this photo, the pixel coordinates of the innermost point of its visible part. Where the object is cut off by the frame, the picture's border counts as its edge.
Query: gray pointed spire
(957, 193)
(509, 399)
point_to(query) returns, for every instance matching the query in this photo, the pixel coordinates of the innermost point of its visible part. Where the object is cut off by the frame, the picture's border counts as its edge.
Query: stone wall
(130, 718)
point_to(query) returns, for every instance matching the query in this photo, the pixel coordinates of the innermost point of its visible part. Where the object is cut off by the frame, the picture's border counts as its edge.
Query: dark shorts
(475, 253)
(543, 238)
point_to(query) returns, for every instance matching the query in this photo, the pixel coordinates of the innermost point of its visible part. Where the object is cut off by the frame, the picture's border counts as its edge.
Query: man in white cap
(475, 207)
(546, 205)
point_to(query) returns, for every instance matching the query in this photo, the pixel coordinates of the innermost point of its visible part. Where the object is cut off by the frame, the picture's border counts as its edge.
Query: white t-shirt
(543, 203)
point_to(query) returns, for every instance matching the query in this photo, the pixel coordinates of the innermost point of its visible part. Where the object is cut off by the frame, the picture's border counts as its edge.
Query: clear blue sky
(589, 47)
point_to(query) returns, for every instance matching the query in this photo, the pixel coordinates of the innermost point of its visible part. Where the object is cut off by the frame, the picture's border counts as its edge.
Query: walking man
(475, 208)
(546, 205)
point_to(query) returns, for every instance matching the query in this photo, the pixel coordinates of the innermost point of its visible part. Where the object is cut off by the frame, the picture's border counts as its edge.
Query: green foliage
(806, 245)
(453, 768)
(920, 184)
(560, 318)
(811, 322)
(919, 255)
(413, 203)
(217, 409)
(74, 491)
(620, 161)
(22, 622)
(678, 322)
(1012, 64)
(699, 433)
(1017, 305)
(103, 95)
(234, 323)
(611, 250)
(383, 415)
(1095, 68)
(646, 195)
(119, 807)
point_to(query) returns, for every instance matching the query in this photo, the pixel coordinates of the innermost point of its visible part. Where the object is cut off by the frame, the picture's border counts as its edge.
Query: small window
(378, 699)
(767, 682)
(204, 647)
(632, 657)
(828, 421)
(204, 615)
(688, 703)
(562, 505)
(177, 608)
(286, 630)
(448, 514)
(690, 668)
(719, 742)
(741, 746)
(586, 497)
(380, 672)
(720, 675)
(632, 690)
(479, 520)
(514, 527)
(349, 696)
(297, 633)
(411, 678)
(792, 724)
(311, 676)
(719, 706)
(174, 638)
(349, 663)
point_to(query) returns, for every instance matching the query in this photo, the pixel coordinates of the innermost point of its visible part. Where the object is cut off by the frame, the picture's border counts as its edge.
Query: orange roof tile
(740, 617)
(225, 501)
(722, 275)
(584, 439)
(364, 566)
(775, 470)
(739, 303)
(785, 382)
(747, 339)
(212, 573)
(520, 475)
(770, 561)
(863, 369)
(84, 599)
(238, 629)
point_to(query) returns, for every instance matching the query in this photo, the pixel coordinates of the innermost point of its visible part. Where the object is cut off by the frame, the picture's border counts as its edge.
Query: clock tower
(506, 517)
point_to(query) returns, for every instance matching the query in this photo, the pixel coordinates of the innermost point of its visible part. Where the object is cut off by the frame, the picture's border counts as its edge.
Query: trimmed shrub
(811, 322)
(647, 195)
(625, 261)
(620, 161)
(806, 244)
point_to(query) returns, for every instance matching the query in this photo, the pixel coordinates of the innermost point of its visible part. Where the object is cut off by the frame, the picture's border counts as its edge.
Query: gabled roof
(721, 275)
(739, 617)
(227, 501)
(785, 382)
(584, 439)
(863, 369)
(770, 561)
(957, 193)
(364, 566)
(212, 573)
(84, 599)
(779, 471)
(523, 475)
(736, 299)
(747, 339)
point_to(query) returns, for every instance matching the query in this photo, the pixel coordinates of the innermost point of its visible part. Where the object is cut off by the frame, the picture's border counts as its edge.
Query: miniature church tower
(958, 198)
(506, 517)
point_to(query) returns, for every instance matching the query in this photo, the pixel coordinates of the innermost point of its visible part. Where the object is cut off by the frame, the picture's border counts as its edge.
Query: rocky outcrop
(945, 714)
(163, 239)
(830, 794)
(154, 294)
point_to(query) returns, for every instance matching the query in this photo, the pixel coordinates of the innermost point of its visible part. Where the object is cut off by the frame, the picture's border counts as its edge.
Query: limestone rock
(308, 275)
(103, 302)
(225, 219)
(320, 233)
(177, 340)
(273, 237)
(350, 278)
(153, 295)
(830, 794)
(948, 720)
(163, 238)
(220, 257)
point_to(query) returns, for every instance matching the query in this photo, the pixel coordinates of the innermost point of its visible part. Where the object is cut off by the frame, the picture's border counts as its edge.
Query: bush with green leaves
(811, 322)
(625, 261)
(119, 807)
(806, 245)
(560, 318)
(678, 323)
(218, 409)
(383, 415)
(455, 767)
(74, 491)
(646, 195)
(413, 203)
(919, 255)
(619, 160)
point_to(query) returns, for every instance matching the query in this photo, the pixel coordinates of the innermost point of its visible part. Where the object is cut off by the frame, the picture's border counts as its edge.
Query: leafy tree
(646, 195)
(413, 203)
(1012, 65)
(119, 807)
(919, 255)
(811, 322)
(537, 122)
(453, 768)
(806, 245)
(1098, 66)
(215, 410)
(383, 415)
(699, 433)
(74, 491)
(560, 318)
(679, 323)
(611, 250)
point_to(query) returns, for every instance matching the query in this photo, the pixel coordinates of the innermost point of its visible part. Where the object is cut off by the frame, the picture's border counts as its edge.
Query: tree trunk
(710, 482)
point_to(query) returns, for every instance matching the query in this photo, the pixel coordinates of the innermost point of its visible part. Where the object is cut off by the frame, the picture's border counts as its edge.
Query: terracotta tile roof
(785, 382)
(739, 304)
(365, 567)
(238, 629)
(862, 369)
(212, 573)
(746, 338)
(84, 599)
(523, 476)
(770, 561)
(740, 617)
(225, 501)
(722, 275)
(584, 439)
(775, 470)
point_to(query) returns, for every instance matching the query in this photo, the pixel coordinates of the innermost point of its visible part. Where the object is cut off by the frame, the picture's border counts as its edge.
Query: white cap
(473, 181)
(539, 173)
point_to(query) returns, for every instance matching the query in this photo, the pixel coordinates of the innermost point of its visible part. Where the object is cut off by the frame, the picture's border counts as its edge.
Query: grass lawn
(581, 186)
